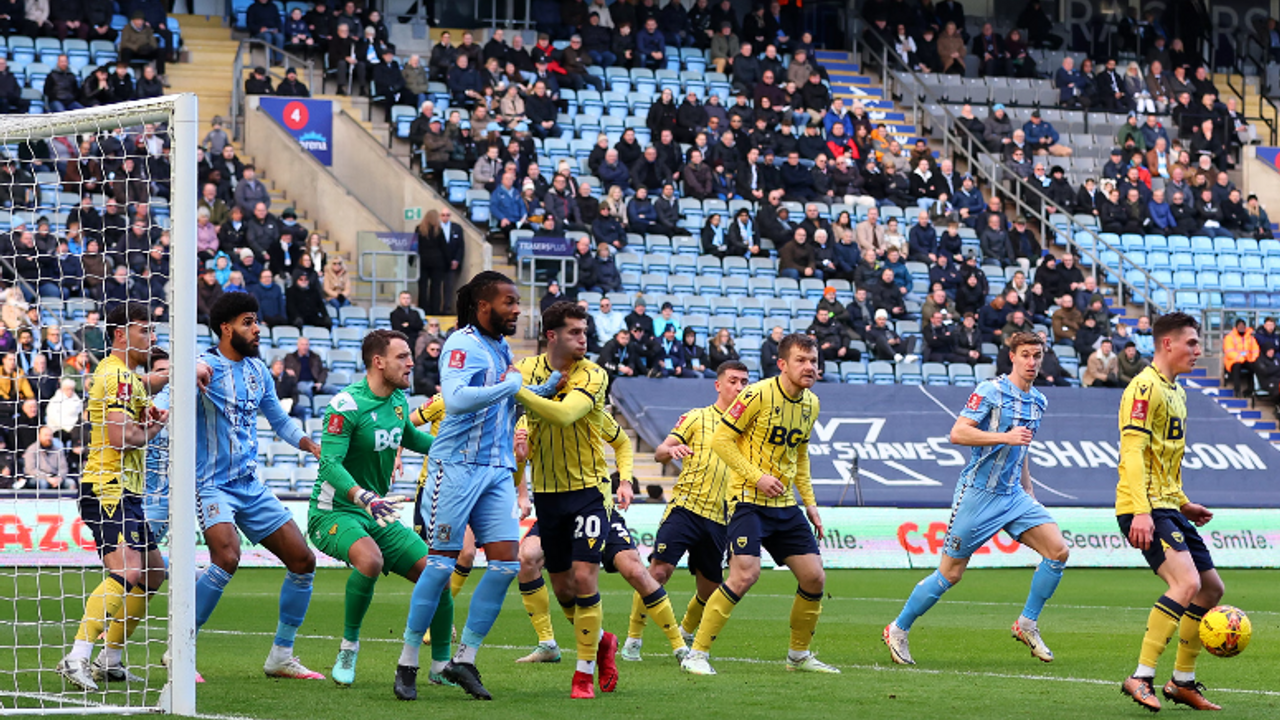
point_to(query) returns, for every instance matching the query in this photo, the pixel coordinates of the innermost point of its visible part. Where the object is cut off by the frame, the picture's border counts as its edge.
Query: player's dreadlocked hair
(480, 288)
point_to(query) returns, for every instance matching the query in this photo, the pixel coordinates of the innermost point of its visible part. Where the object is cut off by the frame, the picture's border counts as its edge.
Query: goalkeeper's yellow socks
(805, 610)
(635, 629)
(537, 602)
(359, 596)
(103, 603)
(458, 579)
(1189, 644)
(719, 608)
(693, 614)
(1162, 623)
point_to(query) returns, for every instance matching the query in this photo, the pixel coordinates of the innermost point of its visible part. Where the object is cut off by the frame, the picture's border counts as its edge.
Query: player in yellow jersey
(123, 420)
(619, 556)
(575, 514)
(694, 522)
(1156, 516)
(764, 439)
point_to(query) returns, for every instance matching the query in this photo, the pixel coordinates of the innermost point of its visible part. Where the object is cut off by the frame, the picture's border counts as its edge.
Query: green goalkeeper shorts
(333, 533)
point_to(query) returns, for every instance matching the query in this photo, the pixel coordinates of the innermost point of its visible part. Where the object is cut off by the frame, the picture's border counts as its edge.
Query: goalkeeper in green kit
(351, 517)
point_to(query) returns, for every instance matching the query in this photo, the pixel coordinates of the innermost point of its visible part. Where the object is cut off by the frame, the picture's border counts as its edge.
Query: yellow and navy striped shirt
(569, 458)
(1153, 432)
(766, 432)
(700, 488)
(116, 388)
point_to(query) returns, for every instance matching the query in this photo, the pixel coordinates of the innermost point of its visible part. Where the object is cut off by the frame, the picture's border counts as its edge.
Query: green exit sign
(412, 214)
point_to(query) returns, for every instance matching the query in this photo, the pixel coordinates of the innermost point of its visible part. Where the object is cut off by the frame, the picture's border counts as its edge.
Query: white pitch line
(758, 661)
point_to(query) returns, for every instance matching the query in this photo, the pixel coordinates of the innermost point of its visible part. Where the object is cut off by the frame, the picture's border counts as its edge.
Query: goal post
(83, 194)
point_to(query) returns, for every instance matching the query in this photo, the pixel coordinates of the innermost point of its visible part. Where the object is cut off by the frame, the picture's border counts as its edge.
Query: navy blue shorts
(1173, 531)
(576, 527)
(122, 525)
(617, 540)
(783, 531)
(683, 531)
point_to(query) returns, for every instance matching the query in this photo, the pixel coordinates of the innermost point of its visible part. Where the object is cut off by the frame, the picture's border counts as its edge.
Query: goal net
(97, 546)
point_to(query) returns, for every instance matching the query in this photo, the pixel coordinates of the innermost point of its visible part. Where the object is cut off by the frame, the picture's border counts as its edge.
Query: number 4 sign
(310, 122)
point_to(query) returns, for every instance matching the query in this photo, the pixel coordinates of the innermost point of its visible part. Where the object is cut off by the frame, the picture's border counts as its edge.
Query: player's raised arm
(559, 413)
(466, 360)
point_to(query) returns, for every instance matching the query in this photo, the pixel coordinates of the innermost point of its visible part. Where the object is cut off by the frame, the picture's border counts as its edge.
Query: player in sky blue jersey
(995, 493)
(155, 504)
(234, 385)
(469, 476)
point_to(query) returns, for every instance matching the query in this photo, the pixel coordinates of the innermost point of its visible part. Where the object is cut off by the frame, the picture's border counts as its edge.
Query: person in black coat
(440, 252)
(405, 318)
(426, 369)
(305, 304)
(619, 359)
(11, 101)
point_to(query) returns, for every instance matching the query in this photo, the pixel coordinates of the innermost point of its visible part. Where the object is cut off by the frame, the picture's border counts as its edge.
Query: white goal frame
(179, 111)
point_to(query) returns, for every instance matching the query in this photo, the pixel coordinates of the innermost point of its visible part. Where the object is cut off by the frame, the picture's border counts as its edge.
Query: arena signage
(888, 446)
(310, 122)
(49, 533)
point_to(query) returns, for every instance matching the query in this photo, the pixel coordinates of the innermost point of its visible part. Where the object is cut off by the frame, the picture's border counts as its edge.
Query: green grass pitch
(968, 665)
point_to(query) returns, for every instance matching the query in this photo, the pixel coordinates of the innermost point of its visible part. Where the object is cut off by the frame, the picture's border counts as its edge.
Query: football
(1225, 631)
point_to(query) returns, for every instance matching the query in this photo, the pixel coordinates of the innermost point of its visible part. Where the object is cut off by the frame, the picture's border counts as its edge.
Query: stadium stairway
(208, 55)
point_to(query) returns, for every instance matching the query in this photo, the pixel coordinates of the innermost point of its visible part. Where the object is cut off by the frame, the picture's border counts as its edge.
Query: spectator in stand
(1067, 320)
(608, 321)
(505, 206)
(651, 47)
(1103, 369)
(62, 413)
(337, 284)
(286, 387)
(833, 344)
(208, 290)
(62, 87)
(1042, 136)
(45, 463)
(465, 85)
(992, 57)
(43, 382)
(291, 86)
(309, 369)
(671, 358)
(1071, 85)
(250, 191)
(305, 305)
(426, 370)
(406, 319)
(1129, 364)
(695, 358)
(885, 342)
(769, 353)
(271, 304)
(1240, 351)
(720, 349)
(263, 21)
(1266, 335)
(138, 41)
(796, 259)
(619, 359)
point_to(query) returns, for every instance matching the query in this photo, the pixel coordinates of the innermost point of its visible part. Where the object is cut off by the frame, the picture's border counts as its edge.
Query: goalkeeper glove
(548, 388)
(385, 510)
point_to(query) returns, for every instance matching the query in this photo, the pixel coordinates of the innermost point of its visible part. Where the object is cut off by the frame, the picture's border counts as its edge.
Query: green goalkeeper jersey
(362, 433)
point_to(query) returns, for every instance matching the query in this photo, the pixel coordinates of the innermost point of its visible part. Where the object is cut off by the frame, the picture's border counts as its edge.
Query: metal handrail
(993, 176)
(1260, 62)
(237, 75)
(374, 279)
(1211, 333)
